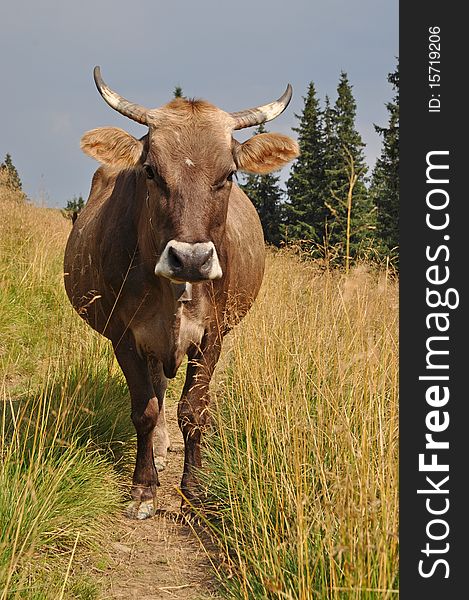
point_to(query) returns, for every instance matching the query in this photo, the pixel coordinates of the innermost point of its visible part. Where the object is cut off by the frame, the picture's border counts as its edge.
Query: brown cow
(168, 255)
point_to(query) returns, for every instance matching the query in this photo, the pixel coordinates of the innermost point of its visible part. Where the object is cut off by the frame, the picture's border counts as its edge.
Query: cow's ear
(266, 152)
(112, 146)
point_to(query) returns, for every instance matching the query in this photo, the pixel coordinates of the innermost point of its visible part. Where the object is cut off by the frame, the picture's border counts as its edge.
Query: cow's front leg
(161, 440)
(144, 417)
(193, 414)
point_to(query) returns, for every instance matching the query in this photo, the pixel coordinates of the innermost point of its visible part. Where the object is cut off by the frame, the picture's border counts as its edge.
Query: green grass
(64, 417)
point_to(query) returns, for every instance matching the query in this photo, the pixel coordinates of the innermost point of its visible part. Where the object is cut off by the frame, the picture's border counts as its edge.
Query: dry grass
(303, 467)
(31, 291)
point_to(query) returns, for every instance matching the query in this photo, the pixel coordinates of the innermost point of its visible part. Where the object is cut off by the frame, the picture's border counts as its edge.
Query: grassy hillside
(302, 463)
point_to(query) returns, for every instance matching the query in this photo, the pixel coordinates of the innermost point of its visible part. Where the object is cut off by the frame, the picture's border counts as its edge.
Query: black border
(421, 132)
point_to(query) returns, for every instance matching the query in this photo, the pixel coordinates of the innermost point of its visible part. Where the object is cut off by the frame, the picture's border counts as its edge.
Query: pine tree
(329, 137)
(73, 208)
(329, 163)
(177, 93)
(385, 180)
(265, 193)
(350, 216)
(11, 177)
(305, 210)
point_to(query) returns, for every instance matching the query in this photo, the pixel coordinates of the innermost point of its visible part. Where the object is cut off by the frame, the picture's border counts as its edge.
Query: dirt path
(160, 557)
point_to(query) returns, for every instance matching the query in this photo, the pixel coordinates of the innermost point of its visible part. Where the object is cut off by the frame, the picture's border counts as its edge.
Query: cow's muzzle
(181, 261)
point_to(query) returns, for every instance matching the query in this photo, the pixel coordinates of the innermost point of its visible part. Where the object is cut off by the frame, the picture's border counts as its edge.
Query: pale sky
(233, 54)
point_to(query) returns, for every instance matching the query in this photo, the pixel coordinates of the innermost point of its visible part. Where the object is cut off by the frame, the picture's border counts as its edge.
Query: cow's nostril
(207, 258)
(174, 259)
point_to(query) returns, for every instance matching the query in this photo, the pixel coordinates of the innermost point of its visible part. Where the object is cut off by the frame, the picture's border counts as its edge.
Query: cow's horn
(128, 109)
(260, 114)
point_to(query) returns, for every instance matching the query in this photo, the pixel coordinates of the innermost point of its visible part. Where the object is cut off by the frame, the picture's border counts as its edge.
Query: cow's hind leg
(144, 417)
(193, 410)
(161, 440)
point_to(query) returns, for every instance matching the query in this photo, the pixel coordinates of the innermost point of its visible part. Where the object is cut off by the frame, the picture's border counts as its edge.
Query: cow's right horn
(261, 114)
(128, 109)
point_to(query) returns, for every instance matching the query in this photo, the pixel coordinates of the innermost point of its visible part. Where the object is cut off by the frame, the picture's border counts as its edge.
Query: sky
(233, 54)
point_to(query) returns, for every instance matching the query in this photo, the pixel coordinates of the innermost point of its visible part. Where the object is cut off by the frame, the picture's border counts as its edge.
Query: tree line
(331, 207)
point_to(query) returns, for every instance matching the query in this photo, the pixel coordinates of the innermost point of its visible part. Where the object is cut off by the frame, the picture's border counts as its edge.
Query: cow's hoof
(192, 498)
(160, 463)
(140, 510)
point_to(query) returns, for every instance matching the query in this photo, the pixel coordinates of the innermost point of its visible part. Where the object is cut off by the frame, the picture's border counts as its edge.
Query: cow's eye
(221, 184)
(149, 171)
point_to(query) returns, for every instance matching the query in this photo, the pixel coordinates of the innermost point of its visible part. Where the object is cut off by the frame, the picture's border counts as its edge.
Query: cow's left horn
(261, 114)
(128, 109)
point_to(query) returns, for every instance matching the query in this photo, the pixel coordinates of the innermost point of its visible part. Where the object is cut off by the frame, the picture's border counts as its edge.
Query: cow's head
(188, 158)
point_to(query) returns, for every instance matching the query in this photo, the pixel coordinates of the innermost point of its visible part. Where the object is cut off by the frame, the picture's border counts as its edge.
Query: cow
(167, 256)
